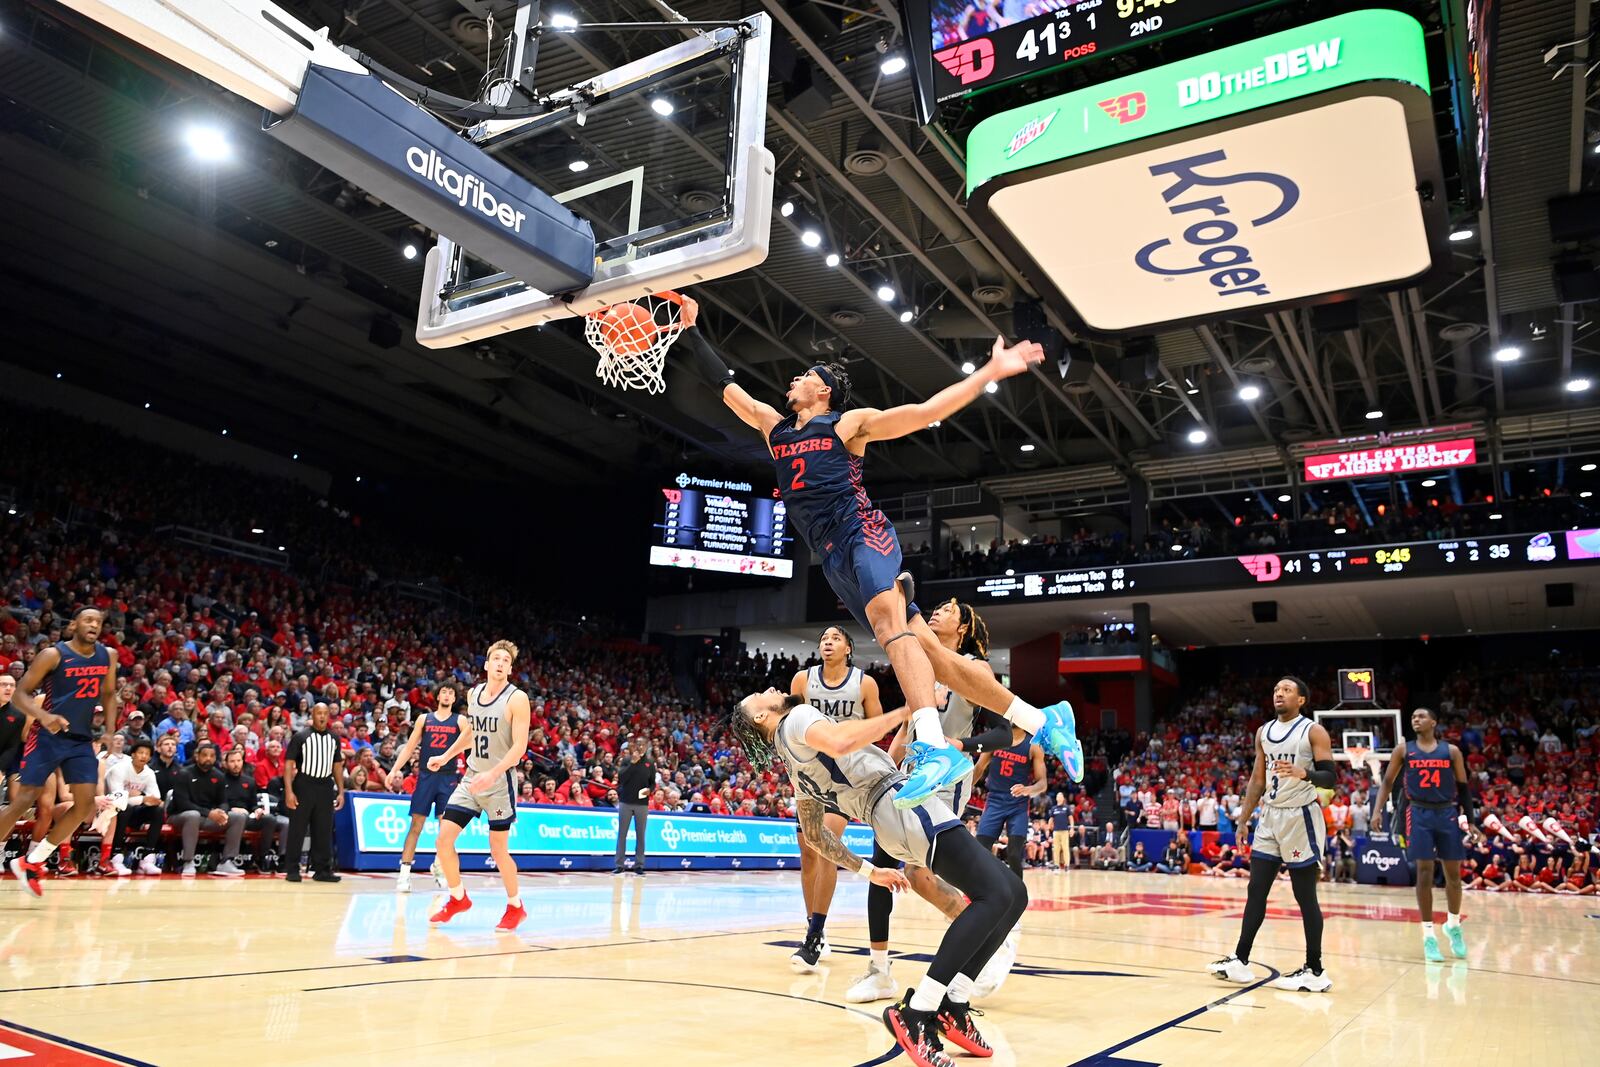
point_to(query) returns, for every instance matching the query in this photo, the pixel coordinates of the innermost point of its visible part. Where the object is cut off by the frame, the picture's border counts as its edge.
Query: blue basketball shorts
(1006, 814)
(433, 793)
(860, 564)
(1433, 834)
(44, 751)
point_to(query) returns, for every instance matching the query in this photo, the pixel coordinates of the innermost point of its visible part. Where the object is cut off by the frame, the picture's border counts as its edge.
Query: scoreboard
(965, 46)
(712, 524)
(1270, 570)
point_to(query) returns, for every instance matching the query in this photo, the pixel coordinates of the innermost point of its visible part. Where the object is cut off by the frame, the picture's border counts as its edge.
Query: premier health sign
(1262, 175)
(372, 830)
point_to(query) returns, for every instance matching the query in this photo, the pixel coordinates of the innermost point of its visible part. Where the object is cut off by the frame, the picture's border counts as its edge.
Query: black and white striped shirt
(314, 753)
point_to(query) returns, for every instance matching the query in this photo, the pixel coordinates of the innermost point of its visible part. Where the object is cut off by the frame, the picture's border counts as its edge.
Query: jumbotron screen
(715, 524)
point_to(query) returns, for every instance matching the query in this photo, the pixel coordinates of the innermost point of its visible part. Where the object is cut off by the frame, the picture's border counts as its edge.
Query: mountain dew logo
(1030, 133)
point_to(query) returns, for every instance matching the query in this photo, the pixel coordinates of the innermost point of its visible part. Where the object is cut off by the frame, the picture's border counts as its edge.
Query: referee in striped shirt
(313, 789)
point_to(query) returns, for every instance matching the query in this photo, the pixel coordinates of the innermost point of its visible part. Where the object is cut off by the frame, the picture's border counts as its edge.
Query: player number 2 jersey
(1287, 742)
(491, 726)
(843, 702)
(820, 481)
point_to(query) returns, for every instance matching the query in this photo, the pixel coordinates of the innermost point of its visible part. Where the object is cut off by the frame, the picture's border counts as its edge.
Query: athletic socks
(457, 892)
(879, 958)
(926, 727)
(1025, 715)
(815, 924)
(928, 996)
(1427, 929)
(960, 991)
(40, 851)
(513, 902)
(1451, 919)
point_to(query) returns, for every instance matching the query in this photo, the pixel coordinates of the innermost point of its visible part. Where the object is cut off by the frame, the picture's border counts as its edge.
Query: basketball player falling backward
(78, 676)
(1437, 805)
(841, 691)
(963, 631)
(494, 737)
(834, 766)
(435, 731)
(819, 452)
(1294, 758)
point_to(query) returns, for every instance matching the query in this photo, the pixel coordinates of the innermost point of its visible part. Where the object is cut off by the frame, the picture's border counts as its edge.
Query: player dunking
(1435, 788)
(963, 631)
(435, 731)
(1294, 758)
(834, 765)
(77, 676)
(498, 735)
(819, 452)
(840, 690)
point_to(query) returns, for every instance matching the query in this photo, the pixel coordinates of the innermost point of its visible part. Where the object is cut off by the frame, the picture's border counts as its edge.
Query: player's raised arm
(870, 424)
(704, 359)
(838, 738)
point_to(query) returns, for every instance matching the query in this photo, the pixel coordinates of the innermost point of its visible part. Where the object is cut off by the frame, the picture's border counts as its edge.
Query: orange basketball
(628, 328)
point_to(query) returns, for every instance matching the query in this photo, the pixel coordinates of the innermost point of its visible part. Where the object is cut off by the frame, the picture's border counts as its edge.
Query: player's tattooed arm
(823, 840)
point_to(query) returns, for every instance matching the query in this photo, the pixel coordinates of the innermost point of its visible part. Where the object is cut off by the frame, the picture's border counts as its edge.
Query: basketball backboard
(663, 157)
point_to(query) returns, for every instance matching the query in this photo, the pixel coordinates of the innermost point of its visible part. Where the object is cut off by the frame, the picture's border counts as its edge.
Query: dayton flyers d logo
(971, 61)
(1267, 568)
(1130, 107)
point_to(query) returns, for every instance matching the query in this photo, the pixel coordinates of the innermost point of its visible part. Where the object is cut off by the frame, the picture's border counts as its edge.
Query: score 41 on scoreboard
(715, 524)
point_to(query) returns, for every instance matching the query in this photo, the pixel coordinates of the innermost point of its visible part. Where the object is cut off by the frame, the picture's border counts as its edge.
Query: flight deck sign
(1268, 174)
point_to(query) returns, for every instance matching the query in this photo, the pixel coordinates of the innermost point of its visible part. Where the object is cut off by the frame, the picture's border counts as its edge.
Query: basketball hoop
(632, 338)
(1359, 757)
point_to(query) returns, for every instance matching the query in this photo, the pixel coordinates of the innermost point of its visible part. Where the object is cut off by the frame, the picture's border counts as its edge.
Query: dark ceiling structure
(271, 288)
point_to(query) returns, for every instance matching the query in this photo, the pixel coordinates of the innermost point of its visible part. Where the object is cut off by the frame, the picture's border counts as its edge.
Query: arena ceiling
(252, 289)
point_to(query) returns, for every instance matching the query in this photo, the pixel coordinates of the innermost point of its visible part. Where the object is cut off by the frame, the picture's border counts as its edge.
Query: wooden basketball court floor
(694, 968)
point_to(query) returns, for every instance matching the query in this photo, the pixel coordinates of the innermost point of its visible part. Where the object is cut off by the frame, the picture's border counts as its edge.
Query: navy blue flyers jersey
(73, 688)
(820, 482)
(1009, 767)
(437, 737)
(1429, 775)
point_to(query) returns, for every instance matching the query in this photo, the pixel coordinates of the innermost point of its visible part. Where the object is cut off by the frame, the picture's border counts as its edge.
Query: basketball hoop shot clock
(1357, 685)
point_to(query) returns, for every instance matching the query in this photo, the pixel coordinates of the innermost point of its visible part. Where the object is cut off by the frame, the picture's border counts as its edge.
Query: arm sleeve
(705, 360)
(1465, 798)
(997, 736)
(1322, 775)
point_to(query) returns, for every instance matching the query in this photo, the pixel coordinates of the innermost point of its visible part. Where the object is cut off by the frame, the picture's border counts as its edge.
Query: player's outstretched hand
(891, 879)
(1016, 359)
(691, 312)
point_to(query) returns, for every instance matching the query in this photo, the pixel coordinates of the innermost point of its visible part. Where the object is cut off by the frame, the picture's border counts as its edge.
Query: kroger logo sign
(1215, 236)
(1379, 860)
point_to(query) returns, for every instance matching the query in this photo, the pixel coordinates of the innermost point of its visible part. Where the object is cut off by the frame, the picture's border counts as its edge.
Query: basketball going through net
(632, 339)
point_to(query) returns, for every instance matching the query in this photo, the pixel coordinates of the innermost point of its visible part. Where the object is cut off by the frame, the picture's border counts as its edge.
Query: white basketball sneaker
(402, 883)
(149, 866)
(995, 972)
(874, 985)
(119, 866)
(1305, 980)
(1232, 969)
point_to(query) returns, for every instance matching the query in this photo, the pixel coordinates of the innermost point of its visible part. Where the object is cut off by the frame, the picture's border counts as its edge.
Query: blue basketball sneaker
(1458, 940)
(1059, 736)
(930, 769)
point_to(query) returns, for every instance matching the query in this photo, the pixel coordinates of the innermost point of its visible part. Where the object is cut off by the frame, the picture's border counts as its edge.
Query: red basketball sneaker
(955, 1020)
(27, 875)
(453, 906)
(512, 918)
(917, 1033)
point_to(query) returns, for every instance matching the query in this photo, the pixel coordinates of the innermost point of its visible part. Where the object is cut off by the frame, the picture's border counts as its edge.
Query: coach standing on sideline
(636, 779)
(313, 789)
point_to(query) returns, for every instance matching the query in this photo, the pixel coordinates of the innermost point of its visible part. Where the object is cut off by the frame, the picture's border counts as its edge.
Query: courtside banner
(366, 132)
(372, 831)
(1396, 459)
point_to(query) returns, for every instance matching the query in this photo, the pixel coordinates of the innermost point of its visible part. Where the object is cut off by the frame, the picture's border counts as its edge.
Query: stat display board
(1267, 571)
(1357, 685)
(961, 47)
(713, 524)
(1296, 167)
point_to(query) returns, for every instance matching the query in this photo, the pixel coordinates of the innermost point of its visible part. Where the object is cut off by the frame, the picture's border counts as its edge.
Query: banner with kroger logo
(372, 831)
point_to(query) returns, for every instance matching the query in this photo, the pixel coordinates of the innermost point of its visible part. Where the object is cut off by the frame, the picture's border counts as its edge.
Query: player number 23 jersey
(1289, 743)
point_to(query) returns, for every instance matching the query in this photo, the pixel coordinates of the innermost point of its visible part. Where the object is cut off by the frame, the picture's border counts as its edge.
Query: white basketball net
(633, 346)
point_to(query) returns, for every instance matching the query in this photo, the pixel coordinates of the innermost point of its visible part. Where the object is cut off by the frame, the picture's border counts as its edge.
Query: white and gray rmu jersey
(491, 726)
(850, 784)
(836, 702)
(1289, 742)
